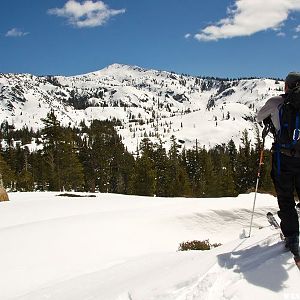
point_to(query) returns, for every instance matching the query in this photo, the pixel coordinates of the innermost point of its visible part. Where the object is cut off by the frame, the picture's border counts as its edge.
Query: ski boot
(292, 244)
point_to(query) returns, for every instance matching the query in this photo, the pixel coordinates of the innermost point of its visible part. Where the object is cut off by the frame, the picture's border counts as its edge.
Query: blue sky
(234, 38)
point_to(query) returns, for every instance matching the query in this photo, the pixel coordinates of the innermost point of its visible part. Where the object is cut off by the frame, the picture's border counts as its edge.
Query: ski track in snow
(221, 280)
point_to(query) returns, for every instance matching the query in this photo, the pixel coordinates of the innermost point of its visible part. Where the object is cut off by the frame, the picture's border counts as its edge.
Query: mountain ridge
(149, 103)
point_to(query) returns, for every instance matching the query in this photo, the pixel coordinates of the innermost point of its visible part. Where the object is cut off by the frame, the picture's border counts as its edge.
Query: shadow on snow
(261, 265)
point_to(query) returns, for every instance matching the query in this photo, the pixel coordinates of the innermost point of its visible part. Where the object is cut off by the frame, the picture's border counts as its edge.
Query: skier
(277, 113)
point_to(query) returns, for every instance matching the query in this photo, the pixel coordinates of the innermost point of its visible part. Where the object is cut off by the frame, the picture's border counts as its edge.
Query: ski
(273, 222)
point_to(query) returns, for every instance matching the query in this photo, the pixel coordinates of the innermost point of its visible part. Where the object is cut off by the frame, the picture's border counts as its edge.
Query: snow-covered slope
(149, 103)
(116, 247)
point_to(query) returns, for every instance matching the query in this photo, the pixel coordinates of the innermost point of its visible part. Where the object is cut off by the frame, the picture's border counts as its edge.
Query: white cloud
(86, 14)
(247, 17)
(297, 29)
(15, 32)
(188, 35)
(281, 34)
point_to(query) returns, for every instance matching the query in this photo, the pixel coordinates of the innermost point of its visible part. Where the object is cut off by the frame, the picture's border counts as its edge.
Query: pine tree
(25, 181)
(8, 175)
(266, 180)
(163, 171)
(89, 166)
(179, 185)
(71, 169)
(39, 170)
(52, 137)
(232, 153)
(266, 183)
(65, 171)
(226, 178)
(210, 177)
(143, 177)
(245, 170)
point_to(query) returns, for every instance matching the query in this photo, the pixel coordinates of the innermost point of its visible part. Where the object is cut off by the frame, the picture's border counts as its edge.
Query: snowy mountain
(117, 247)
(148, 103)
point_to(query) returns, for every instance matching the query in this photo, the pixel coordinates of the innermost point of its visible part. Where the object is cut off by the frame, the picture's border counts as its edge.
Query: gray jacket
(271, 109)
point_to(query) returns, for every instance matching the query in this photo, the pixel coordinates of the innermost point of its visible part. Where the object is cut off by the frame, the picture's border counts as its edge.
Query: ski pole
(261, 158)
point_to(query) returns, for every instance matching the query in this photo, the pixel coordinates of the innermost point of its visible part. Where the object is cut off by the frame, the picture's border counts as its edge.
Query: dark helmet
(292, 79)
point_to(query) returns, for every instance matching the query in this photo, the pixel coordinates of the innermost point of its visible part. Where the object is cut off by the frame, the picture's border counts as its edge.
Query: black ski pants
(286, 178)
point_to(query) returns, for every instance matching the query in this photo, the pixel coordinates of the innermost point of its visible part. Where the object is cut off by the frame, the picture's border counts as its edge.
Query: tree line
(93, 159)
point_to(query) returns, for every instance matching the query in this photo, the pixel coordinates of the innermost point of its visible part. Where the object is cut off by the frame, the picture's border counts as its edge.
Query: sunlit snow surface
(116, 247)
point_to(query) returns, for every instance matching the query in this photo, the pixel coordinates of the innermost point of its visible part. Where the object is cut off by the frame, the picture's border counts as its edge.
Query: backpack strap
(280, 112)
(277, 145)
(296, 131)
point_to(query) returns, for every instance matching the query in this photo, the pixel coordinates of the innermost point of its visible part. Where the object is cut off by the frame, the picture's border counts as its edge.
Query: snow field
(117, 247)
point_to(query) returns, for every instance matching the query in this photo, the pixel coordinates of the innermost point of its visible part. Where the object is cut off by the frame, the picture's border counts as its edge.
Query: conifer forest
(94, 159)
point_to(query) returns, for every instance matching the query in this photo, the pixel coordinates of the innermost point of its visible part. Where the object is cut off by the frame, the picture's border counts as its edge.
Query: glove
(267, 121)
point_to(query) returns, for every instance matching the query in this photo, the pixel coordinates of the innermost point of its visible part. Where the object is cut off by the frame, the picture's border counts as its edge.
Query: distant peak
(114, 67)
(117, 66)
(124, 66)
